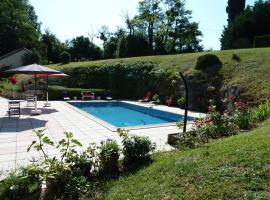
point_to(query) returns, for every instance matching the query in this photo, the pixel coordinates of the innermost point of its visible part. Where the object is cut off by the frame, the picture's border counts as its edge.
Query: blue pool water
(120, 114)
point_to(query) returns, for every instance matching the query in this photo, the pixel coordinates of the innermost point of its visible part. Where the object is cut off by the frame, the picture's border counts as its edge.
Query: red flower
(12, 79)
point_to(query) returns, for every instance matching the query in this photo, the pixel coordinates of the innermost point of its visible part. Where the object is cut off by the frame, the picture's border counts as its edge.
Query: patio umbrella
(33, 69)
(47, 80)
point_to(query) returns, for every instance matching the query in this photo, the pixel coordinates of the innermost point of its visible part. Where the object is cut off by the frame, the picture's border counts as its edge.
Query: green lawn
(251, 73)
(233, 168)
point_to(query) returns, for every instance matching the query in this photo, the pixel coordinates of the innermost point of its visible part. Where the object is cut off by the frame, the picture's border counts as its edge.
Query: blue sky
(70, 18)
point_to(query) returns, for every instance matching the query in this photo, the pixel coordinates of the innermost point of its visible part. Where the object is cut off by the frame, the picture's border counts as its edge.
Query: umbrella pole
(47, 89)
(35, 84)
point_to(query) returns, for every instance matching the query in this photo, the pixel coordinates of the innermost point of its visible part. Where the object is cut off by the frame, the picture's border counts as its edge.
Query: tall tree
(18, 26)
(53, 46)
(234, 8)
(82, 48)
(253, 21)
(150, 15)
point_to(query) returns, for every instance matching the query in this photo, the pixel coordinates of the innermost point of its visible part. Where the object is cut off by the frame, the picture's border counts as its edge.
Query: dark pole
(186, 102)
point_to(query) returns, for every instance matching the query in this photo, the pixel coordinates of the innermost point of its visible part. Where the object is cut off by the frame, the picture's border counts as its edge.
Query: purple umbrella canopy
(33, 69)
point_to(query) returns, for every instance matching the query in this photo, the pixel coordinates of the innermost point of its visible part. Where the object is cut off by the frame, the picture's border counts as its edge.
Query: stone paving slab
(16, 132)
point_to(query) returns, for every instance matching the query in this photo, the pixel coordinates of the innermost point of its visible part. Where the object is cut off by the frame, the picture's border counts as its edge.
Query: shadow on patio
(15, 124)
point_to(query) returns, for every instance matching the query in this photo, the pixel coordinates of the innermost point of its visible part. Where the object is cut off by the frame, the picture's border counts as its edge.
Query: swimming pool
(121, 114)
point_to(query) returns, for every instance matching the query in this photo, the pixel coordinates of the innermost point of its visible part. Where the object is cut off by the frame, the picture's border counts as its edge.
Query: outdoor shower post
(186, 102)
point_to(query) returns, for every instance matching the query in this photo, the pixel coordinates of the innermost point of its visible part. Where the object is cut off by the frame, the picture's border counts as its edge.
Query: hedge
(261, 41)
(56, 92)
(130, 81)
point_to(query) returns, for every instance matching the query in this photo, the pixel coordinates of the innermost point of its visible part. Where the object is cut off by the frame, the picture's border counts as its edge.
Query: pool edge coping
(114, 128)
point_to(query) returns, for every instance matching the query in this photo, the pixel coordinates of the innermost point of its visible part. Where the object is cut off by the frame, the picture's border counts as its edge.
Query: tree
(82, 48)
(19, 26)
(53, 46)
(178, 34)
(149, 16)
(253, 21)
(234, 8)
(166, 23)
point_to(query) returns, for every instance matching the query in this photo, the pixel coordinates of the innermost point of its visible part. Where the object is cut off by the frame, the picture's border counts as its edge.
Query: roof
(13, 52)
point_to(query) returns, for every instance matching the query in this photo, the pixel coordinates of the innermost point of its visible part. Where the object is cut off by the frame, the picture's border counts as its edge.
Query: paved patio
(16, 133)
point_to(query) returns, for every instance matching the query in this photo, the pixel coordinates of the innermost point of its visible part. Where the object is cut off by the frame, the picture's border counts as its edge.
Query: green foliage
(82, 48)
(109, 155)
(32, 57)
(56, 92)
(19, 26)
(120, 79)
(235, 8)
(135, 148)
(53, 47)
(243, 116)
(236, 57)
(253, 21)
(181, 102)
(206, 61)
(19, 184)
(261, 41)
(65, 57)
(262, 112)
(212, 171)
(155, 97)
(6, 85)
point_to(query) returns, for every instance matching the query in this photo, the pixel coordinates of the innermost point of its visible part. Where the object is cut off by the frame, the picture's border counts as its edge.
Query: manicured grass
(251, 73)
(233, 168)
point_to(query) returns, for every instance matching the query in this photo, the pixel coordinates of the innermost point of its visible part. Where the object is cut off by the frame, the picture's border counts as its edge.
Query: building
(14, 58)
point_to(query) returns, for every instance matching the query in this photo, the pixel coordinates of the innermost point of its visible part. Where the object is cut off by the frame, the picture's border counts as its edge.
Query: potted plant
(181, 102)
(109, 155)
(156, 98)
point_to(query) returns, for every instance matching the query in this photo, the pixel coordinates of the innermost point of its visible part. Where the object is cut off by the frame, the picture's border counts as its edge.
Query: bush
(242, 116)
(236, 57)
(207, 60)
(135, 148)
(55, 92)
(19, 185)
(109, 155)
(262, 112)
(65, 57)
(261, 41)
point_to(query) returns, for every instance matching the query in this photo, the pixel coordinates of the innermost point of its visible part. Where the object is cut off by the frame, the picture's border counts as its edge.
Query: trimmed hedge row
(261, 41)
(56, 92)
(123, 80)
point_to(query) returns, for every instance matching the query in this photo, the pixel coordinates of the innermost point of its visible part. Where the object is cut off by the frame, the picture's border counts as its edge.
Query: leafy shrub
(207, 60)
(109, 155)
(181, 102)
(56, 92)
(58, 172)
(65, 57)
(242, 116)
(135, 148)
(261, 41)
(236, 57)
(262, 112)
(6, 85)
(19, 185)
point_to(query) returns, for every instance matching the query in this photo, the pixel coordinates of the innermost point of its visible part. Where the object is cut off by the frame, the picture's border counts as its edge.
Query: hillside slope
(232, 168)
(251, 73)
